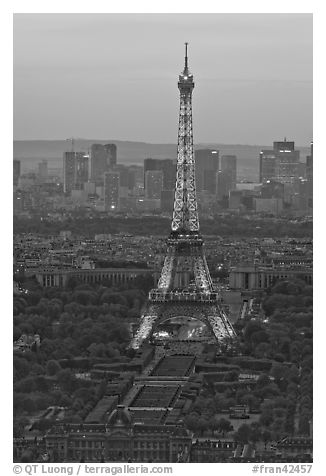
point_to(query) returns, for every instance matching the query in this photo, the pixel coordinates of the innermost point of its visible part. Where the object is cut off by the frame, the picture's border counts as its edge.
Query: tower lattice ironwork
(185, 288)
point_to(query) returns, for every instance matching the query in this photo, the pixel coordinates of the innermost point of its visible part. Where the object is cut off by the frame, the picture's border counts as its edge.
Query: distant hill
(30, 152)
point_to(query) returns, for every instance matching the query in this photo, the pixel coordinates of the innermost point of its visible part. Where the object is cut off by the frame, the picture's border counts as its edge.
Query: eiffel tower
(185, 288)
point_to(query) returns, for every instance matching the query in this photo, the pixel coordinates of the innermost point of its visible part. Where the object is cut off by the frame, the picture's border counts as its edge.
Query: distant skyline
(115, 75)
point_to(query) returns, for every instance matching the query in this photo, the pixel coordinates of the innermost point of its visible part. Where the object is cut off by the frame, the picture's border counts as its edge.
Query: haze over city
(113, 75)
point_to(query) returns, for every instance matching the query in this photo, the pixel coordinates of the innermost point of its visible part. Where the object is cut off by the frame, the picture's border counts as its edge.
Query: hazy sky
(114, 76)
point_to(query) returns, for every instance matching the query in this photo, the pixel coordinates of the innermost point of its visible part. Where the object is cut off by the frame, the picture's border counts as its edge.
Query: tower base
(209, 313)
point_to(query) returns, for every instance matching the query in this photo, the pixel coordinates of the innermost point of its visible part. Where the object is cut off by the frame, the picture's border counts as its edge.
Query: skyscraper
(280, 164)
(102, 159)
(111, 155)
(227, 176)
(153, 183)
(75, 170)
(81, 171)
(111, 190)
(309, 176)
(167, 166)
(16, 171)
(69, 163)
(207, 165)
(267, 165)
(43, 171)
(98, 163)
(272, 189)
(287, 169)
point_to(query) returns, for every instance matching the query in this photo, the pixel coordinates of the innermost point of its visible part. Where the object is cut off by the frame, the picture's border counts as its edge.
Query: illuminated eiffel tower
(185, 288)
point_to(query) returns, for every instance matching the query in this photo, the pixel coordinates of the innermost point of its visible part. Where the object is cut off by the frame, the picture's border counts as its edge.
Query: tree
(243, 434)
(277, 428)
(16, 333)
(263, 380)
(304, 424)
(202, 425)
(224, 426)
(250, 400)
(266, 437)
(43, 424)
(251, 328)
(191, 421)
(53, 367)
(255, 432)
(67, 380)
(262, 350)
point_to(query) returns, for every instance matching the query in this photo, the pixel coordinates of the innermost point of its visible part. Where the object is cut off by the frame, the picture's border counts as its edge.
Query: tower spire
(186, 58)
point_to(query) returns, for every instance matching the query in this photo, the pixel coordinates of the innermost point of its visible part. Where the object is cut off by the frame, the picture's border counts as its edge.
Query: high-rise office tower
(167, 197)
(267, 165)
(75, 170)
(154, 183)
(43, 171)
(287, 170)
(102, 159)
(81, 172)
(111, 154)
(227, 176)
(280, 164)
(124, 174)
(309, 175)
(131, 178)
(207, 165)
(272, 189)
(167, 166)
(16, 171)
(69, 164)
(111, 190)
(98, 163)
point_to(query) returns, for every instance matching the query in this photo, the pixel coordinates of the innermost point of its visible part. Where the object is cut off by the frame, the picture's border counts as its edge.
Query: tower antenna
(186, 56)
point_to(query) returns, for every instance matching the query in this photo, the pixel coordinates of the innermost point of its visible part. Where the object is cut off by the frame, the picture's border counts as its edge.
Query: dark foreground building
(119, 440)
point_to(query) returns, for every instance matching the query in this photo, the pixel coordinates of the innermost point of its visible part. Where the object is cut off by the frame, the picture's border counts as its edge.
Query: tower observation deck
(185, 287)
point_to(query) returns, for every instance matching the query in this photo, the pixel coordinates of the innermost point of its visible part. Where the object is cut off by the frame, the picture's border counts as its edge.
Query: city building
(309, 176)
(287, 161)
(120, 440)
(69, 166)
(272, 189)
(81, 170)
(111, 155)
(255, 277)
(111, 191)
(43, 171)
(273, 206)
(227, 176)
(53, 277)
(167, 197)
(102, 159)
(153, 183)
(75, 170)
(90, 188)
(16, 171)
(267, 165)
(235, 199)
(167, 166)
(281, 163)
(207, 166)
(98, 163)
